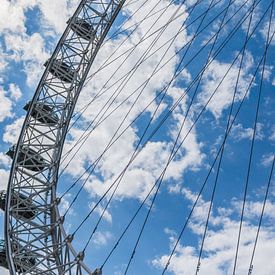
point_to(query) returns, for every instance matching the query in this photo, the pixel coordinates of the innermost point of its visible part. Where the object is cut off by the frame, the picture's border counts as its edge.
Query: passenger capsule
(28, 158)
(43, 113)
(61, 70)
(83, 29)
(26, 262)
(25, 207)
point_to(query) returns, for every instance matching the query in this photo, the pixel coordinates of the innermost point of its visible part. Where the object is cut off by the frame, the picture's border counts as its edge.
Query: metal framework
(37, 243)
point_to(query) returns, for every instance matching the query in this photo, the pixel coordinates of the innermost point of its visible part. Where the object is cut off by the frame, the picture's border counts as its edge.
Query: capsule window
(24, 206)
(26, 262)
(61, 70)
(28, 158)
(43, 113)
(83, 29)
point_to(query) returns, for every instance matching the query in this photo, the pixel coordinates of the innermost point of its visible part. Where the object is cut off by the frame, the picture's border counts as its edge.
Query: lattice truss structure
(35, 238)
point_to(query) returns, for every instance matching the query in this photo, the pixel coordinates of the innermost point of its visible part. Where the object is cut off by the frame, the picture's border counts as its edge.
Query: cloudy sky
(172, 83)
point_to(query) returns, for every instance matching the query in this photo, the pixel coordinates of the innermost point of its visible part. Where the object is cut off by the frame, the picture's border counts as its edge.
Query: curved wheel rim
(38, 181)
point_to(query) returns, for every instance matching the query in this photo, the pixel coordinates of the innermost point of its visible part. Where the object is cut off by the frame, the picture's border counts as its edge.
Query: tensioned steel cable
(165, 169)
(141, 139)
(261, 217)
(154, 185)
(134, 250)
(188, 62)
(222, 151)
(136, 25)
(143, 40)
(183, 95)
(252, 146)
(165, 64)
(129, 111)
(139, 115)
(193, 123)
(213, 164)
(252, 80)
(79, 113)
(100, 93)
(178, 51)
(121, 29)
(147, 37)
(135, 67)
(145, 131)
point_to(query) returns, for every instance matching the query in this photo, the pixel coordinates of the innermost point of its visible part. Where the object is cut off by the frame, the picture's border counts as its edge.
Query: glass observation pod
(43, 113)
(83, 29)
(61, 70)
(28, 158)
(26, 208)
(26, 261)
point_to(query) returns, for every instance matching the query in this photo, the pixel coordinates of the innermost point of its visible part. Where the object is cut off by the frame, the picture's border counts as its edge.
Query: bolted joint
(69, 238)
(61, 220)
(56, 252)
(80, 256)
(57, 201)
(98, 271)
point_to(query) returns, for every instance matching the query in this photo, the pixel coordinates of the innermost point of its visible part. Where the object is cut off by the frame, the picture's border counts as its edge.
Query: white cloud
(4, 271)
(268, 72)
(21, 46)
(101, 238)
(254, 208)
(12, 131)
(3, 61)
(143, 172)
(64, 205)
(222, 98)
(15, 91)
(186, 75)
(239, 132)
(272, 135)
(21, 49)
(6, 105)
(12, 17)
(99, 210)
(12, 14)
(7, 99)
(264, 30)
(221, 240)
(56, 20)
(4, 175)
(4, 159)
(267, 159)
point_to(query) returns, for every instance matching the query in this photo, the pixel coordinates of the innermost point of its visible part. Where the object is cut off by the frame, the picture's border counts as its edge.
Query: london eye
(148, 144)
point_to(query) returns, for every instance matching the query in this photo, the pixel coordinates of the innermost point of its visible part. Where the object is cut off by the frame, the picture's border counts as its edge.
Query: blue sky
(29, 31)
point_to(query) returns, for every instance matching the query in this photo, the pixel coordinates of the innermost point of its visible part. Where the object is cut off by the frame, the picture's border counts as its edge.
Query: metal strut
(40, 235)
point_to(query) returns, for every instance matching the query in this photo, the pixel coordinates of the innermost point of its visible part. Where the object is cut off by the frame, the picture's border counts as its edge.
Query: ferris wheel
(180, 36)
